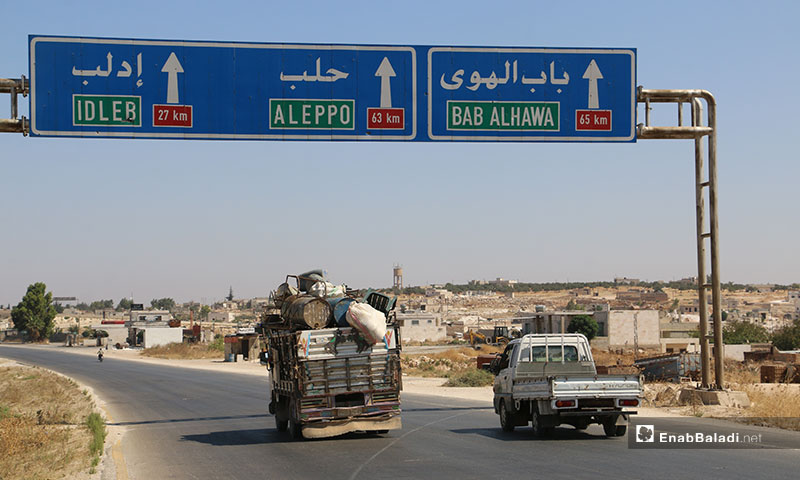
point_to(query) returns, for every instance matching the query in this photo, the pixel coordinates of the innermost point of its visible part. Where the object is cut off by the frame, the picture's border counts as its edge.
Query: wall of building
(116, 333)
(550, 322)
(420, 327)
(155, 336)
(221, 317)
(619, 327)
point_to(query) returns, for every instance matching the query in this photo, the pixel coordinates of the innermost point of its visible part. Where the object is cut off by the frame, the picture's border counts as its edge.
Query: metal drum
(339, 307)
(306, 312)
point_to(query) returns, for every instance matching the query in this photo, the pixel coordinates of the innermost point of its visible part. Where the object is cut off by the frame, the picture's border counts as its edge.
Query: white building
(222, 317)
(421, 327)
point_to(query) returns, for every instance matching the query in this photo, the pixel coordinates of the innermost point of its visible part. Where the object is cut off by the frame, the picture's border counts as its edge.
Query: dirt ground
(43, 431)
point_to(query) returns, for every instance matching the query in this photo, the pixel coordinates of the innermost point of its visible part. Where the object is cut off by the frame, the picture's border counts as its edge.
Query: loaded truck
(331, 381)
(550, 379)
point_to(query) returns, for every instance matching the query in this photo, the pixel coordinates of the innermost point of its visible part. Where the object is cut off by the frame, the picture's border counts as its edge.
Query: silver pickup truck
(550, 379)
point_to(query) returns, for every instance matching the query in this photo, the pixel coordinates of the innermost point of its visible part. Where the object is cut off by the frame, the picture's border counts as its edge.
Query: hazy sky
(102, 218)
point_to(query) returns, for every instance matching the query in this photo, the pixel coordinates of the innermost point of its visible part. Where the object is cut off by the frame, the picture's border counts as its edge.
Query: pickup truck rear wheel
(538, 428)
(506, 423)
(611, 428)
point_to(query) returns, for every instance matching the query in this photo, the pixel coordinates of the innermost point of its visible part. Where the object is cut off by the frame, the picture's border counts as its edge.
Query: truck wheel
(505, 418)
(281, 424)
(538, 428)
(295, 430)
(611, 429)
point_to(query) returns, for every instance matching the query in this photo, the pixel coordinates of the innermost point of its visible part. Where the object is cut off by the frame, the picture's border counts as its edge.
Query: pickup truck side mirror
(500, 362)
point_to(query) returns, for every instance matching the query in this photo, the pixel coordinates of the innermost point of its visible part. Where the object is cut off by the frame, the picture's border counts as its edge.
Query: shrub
(788, 338)
(97, 427)
(469, 378)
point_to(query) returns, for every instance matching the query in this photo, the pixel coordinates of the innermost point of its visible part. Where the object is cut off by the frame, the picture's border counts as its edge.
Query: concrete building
(629, 328)
(149, 316)
(677, 337)
(154, 335)
(548, 322)
(221, 317)
(116, 333)
(421, 327)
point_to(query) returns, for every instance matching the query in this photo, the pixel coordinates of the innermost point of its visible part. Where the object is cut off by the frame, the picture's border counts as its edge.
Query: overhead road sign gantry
(129, 88)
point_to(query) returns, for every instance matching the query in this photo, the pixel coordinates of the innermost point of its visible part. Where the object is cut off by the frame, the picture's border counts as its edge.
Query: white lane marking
(370, 459)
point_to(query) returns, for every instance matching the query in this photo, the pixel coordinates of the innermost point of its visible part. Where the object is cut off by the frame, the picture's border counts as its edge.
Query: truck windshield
(540, 354)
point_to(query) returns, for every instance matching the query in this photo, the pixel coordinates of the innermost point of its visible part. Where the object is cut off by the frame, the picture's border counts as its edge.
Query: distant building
(548, 322)
(763, 288)
(626, 281)
(629, 328)
(222, 317)
(503, 282)
(421, 327)
(149, 316)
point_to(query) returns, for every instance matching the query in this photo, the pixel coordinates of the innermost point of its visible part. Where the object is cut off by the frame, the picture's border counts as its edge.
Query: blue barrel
(339, 307)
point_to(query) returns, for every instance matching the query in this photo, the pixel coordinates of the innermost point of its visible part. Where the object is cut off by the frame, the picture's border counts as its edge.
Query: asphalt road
(185, 423)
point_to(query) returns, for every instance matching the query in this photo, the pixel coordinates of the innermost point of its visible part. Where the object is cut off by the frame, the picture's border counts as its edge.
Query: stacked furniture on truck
(334, 361)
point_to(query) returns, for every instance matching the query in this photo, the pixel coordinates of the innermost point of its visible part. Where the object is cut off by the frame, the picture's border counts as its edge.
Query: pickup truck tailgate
(577, 387)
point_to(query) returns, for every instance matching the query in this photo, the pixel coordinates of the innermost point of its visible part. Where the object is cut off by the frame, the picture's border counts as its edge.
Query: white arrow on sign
(172, 68)
(593, 74)
(386, 72)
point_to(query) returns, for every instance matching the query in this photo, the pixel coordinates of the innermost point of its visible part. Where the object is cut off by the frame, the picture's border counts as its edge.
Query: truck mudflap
(340, 427)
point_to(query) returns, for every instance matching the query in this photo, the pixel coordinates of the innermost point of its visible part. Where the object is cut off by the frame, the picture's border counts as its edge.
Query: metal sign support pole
(696, 132)
(14, 87)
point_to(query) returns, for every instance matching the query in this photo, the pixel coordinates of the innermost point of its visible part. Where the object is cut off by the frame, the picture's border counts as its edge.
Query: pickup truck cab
(550, 379)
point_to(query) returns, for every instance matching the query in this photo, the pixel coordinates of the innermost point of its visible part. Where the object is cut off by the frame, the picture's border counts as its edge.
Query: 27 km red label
(593, 120)
(172, 115)
(386, 118)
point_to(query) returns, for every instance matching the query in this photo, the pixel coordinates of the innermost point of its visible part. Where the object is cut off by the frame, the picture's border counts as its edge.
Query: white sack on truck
(327, 290)
(370, 322)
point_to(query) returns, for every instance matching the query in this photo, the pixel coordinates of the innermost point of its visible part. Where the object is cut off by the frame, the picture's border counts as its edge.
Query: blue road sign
(126, 88)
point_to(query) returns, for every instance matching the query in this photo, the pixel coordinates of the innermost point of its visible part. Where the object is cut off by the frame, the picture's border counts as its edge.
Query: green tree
(571, 305)
(788, 338)
(35, 313)
(584, 324)
(101, 305)
(744, 332)
(204, 311)
(163, 304)
(124, 304)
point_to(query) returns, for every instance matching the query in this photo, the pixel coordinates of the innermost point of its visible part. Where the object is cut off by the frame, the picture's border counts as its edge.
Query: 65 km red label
(599, 120)
(172, 115)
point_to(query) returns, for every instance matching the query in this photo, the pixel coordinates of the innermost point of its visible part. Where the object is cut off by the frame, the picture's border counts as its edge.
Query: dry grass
(774, 404)
(442, 364)
(741, 373)
(186, 351)
(42, 425)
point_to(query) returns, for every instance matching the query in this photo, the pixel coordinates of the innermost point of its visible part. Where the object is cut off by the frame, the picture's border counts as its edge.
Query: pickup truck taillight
(629, 402)
(565, 403)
